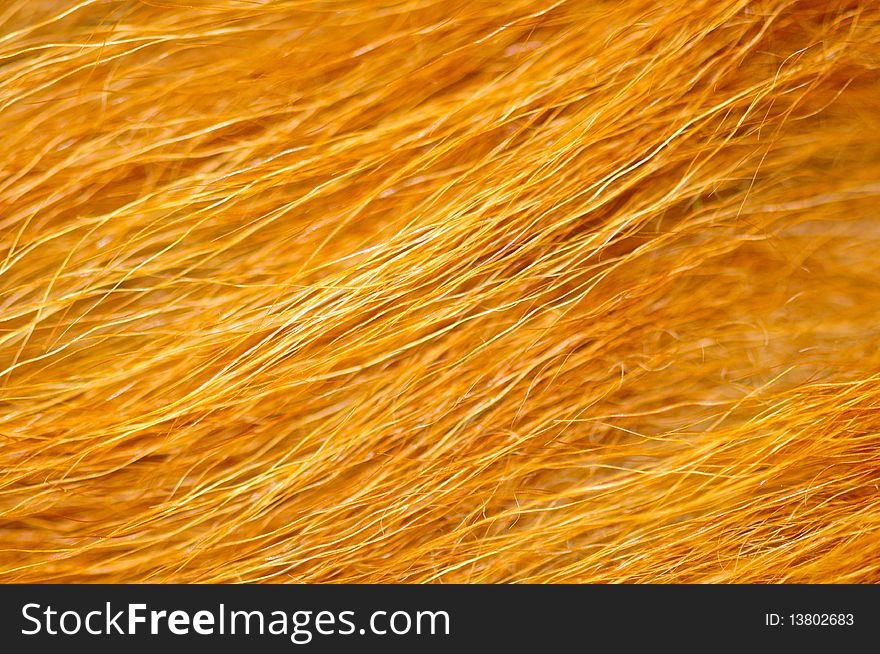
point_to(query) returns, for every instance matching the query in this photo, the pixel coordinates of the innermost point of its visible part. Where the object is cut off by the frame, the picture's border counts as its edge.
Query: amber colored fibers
(432, 291)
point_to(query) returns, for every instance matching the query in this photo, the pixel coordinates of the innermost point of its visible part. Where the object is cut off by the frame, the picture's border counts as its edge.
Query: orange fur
(415, 291)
